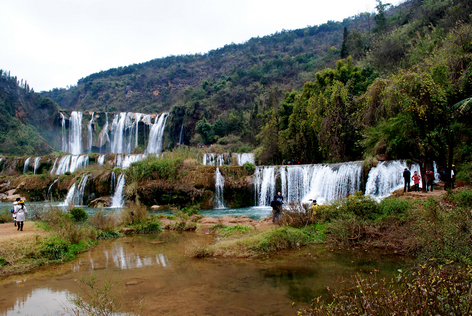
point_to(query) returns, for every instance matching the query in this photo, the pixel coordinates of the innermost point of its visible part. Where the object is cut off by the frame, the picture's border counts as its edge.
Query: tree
(205, 129)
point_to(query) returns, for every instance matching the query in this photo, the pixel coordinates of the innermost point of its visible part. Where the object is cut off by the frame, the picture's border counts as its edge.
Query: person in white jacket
(21, 213)
(15, 204)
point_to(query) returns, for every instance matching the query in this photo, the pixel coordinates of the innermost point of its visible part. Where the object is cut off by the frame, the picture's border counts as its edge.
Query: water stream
(155, 267)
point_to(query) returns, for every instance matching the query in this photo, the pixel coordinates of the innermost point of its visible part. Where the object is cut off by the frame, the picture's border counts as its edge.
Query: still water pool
(155, 267)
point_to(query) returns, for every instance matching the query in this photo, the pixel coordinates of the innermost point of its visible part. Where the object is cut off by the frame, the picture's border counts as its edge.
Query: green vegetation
(5, 216)
(429, 290)
(227, 231)
(78, 214)
(255, 243)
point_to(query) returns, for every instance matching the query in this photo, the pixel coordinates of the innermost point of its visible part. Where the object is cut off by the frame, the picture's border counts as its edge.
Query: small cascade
(387, 177)
(54, 166)
(219, 190)
(212, 159)
(65, 142)
(63, 165)
(156, 135)
(181, 137)
(49, 190)
(437, 176)
(245, 157)
(112, 182)
(36, 164)
(90, 133)
(79, 196)
(25, 168)
(71, 163)
(138, 118)
(75, 133)
(69, 196)
(101, 160)
(264, 182)
(117, 198)
(104, 138)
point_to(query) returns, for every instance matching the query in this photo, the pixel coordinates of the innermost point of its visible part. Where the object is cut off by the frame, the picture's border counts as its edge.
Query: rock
(12, 198)
(244, 219)
(100, 202)
(156, 207)
(195, 218)
(132, 282)
(209, 220)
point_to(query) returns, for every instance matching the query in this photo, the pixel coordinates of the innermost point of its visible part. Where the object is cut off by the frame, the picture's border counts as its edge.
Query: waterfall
(219, 190)
(49, 190)
(75, 133)
(117, 199)
(181, 137)
(63, 165)
(71, 163)
(36, 164)
(138, 118)
(104, 138)
(264, 181)
(302, 182)
(90, 133)
(64, 135)
(245, 157)
(212, 159)
(79, 196)
(69, 196)
(75, 195)
(156, 134)
(25, 168)
(101, 160)
(112, 182)
(387, 177)
(117, 131)
(54, 166)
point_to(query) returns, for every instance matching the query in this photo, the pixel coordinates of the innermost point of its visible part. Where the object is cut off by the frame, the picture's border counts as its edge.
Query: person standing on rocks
(21, 213)
(406, 177)
(416, 179)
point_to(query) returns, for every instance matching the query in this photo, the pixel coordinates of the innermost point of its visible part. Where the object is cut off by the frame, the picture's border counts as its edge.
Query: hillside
(25, 117)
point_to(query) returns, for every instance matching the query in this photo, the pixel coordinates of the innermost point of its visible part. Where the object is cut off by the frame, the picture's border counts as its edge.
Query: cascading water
(245, 157)
(156, 134)
(25, 168)
(71, 163)
(101, 160)
(138, 118)
(36, 164)
(54, 166)
(211, 159)
(90, 133)
(64, 135)
(219, 190)
(117, 199)
(49, 190)
(75, 133)
(69, 196)
(302, 182)
(387, 177)
(112, 182)
(104, 138)
(181, 137)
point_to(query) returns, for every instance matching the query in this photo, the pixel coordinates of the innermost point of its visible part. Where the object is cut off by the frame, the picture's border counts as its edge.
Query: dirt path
(8, 231)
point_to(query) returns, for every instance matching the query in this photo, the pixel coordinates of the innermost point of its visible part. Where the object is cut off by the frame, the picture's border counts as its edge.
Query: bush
(394, 206)
(227, 231)
(191, 210)
(109, 234)
(152, 225)
(249, 167)
(103, 221)
(54, 248)
(296, 215)
(6, 216)
(363, 206)
(461, 198)
(426, 291)
(78, 214)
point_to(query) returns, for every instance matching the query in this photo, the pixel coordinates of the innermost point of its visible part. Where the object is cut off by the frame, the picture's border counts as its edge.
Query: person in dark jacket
(406, 177)
(276, 205)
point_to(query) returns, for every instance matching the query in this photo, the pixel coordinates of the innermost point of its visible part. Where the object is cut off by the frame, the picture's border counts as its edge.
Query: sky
(54, 43)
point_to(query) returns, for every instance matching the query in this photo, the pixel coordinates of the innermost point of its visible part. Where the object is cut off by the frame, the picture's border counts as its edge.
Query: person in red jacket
(416, 180)
(430, 178)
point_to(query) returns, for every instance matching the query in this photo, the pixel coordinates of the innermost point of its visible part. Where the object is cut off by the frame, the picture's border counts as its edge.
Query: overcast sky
(53, 43)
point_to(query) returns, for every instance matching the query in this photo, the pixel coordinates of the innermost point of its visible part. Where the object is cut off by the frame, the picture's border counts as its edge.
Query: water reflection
(155, 266)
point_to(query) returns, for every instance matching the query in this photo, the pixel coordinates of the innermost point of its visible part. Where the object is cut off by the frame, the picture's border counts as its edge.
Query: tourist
(276, 205)
(13, 212)
(314, 206)
(416, 179)
(430, 178)
(406, 177)
(452, 177)
(21, 213)
(280, 198)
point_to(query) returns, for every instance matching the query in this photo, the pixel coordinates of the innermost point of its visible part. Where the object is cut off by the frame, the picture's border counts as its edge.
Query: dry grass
(103, 221)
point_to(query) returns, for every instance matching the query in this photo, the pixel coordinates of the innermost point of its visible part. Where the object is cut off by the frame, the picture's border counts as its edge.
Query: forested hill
(240, 95)
(25, 118)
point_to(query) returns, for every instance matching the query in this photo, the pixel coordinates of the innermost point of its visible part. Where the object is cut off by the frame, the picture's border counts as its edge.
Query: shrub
(296, 215)
(191, 210)
(152, 225)
(54, 248)
(6, 216)
(78, 214)
(361, 205)
(109, 234)
(425, 291)
(461, 198)
(463, 176)
(103, 221)
(394, 206)
(249, 167)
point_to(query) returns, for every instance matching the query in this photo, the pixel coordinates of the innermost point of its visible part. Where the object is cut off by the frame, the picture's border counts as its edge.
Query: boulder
(209, 220)
(100, 202)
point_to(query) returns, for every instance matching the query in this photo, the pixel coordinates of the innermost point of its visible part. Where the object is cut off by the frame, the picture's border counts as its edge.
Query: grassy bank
(64, 235)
